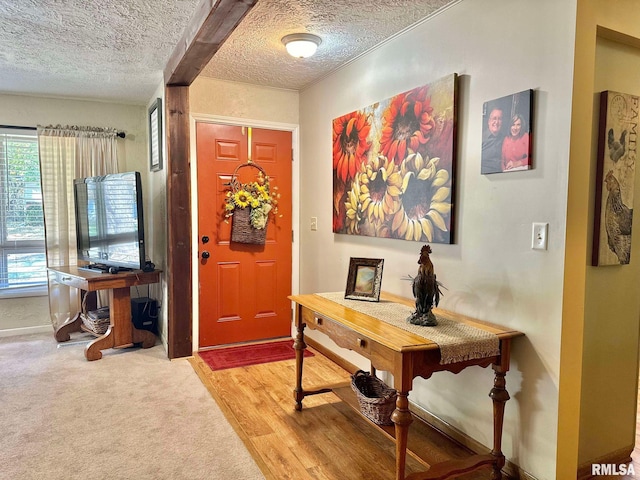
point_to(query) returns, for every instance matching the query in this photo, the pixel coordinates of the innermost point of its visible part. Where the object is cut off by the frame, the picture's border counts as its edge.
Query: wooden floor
(328, 439)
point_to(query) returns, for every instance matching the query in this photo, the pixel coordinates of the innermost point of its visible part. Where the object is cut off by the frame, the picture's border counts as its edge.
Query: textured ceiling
(104, 49)
(254, 53)
(116, 50)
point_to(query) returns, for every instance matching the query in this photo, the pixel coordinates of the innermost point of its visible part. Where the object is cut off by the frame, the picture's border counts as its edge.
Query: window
(22, 250)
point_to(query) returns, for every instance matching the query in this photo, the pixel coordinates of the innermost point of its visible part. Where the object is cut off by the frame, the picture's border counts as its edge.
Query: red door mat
(244, 355)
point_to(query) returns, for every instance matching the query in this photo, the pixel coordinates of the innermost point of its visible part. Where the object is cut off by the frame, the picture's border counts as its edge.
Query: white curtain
(67, 153)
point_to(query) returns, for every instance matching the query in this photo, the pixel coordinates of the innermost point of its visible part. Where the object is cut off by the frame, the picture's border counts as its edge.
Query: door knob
(205, 254)
(205, 239)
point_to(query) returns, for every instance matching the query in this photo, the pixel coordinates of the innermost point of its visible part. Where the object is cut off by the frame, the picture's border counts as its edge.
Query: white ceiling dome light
(301, 45)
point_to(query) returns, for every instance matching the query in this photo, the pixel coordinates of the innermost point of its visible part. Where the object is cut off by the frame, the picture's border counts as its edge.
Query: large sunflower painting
(393, 166)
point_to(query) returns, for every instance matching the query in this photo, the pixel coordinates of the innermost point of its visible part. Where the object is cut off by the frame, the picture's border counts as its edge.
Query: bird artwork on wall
(426, 290)
(615, 178)
(617, 218)
(616, 147)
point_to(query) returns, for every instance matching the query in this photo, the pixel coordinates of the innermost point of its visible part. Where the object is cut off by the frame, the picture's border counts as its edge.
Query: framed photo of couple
(506, 133)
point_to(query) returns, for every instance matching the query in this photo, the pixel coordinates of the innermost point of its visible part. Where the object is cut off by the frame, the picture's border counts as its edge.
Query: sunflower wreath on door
(250, 205)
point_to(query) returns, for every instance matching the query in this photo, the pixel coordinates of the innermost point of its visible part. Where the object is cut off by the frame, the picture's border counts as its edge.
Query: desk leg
(299, 346)
(145, 337)
(120, 333)
(92, 351)
(73, 323)
(401, 417)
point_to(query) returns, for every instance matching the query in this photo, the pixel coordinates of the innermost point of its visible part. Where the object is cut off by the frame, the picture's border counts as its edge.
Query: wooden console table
(121, 332)
(406, 356)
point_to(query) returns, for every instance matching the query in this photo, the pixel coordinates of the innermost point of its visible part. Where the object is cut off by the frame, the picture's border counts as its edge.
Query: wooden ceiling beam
(210, 25)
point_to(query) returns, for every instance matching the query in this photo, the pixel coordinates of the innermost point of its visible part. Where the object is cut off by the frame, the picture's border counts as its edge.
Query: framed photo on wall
(506, 133)
(155, 135)
(615, 178)
(364, 279)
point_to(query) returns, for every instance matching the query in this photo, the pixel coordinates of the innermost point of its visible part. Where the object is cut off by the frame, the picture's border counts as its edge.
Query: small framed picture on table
(364, 279)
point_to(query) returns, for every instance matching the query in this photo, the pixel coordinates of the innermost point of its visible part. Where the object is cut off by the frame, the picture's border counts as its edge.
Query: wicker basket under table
(377, 400)
(97, 326)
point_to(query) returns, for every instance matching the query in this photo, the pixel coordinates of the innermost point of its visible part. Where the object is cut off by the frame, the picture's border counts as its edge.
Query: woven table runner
(457, 341)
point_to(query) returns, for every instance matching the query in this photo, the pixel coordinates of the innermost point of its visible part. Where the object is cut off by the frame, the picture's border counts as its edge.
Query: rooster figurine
(426, 290)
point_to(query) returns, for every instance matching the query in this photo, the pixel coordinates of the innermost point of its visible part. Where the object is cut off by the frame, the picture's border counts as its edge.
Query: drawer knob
(66, 279)
(361, 342)
(318, 321)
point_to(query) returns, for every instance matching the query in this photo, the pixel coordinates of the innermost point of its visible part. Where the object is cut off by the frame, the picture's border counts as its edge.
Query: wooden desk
(406, 356)
(121, 332)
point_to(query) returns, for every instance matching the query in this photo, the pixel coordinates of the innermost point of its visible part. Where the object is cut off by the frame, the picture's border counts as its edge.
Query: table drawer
(70, 280)
(341, 335)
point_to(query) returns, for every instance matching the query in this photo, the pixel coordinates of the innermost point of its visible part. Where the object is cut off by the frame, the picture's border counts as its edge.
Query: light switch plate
(539, 234)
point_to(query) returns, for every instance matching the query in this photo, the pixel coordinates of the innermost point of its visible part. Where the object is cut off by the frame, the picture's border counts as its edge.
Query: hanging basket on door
(250, 205)
(243, 232)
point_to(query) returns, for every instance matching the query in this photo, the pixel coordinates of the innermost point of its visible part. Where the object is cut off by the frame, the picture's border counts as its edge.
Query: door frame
(295, 203)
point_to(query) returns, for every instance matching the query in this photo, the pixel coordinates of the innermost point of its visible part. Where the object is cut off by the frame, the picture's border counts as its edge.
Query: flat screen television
(109, 221)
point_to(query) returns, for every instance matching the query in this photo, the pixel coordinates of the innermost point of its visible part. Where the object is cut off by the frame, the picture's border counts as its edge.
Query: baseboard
(618, 457)
(12, 332)
(511, 470)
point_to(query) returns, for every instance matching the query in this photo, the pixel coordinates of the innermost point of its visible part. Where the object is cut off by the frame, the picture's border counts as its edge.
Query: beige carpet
(131, 415)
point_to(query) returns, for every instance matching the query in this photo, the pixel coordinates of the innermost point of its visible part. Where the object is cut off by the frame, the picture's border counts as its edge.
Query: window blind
(22, 250)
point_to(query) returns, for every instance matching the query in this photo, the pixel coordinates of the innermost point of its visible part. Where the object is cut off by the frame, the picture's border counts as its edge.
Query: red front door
(243, 287)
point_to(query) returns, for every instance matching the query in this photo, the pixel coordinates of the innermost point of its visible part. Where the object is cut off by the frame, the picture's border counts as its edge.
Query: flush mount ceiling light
(301, 45)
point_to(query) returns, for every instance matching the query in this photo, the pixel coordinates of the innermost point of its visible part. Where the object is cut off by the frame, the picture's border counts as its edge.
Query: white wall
(238, 100)
(21, 315)
(155, 203)
(30, 111)
(491, 273)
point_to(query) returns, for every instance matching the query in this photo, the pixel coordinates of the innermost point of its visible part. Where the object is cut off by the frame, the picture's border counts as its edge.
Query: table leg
(299, 346)
(499, 395)
(401, 417)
